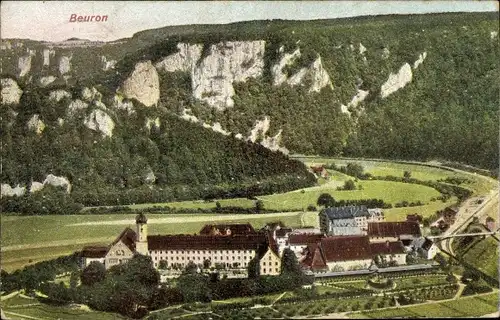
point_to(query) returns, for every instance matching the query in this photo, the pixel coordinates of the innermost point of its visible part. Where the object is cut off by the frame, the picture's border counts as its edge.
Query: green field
(38, 238)
(19, 307)
(479, 184)
(484, 256)
(464, 307)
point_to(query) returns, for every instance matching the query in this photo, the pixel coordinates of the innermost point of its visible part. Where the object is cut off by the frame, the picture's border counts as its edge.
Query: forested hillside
(172, 111)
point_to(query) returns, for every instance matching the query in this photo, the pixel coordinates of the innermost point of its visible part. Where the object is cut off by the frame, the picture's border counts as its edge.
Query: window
(276, 269)
(182, 258)
(276, 263)
(264, 270)
(264, 263)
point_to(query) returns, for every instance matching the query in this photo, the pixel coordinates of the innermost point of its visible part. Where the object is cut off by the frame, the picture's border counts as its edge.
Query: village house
(298, 242)
(319, 171)
(425, 248)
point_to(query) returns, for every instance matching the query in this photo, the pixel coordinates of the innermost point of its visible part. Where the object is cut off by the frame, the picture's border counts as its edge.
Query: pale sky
(49, 20)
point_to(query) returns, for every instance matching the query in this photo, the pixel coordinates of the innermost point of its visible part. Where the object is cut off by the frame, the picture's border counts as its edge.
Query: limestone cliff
(143, 84)
(11, 93)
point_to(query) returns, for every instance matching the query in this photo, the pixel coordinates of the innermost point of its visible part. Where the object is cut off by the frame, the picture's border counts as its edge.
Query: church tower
(141, 243)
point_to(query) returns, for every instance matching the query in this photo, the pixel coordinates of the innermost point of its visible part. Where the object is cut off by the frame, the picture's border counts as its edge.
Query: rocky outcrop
(58, 182)
(100, 121)
(396, 81)
(151, 122)
(64, 65)
(385, 53)
(36, 186)
(279, 77)
(36, 124)
(259, 131)
(356, 100)
(8, 191)
(107, 64)
(45, 81)
(228, 62)
(90, 95)
(47, 54)
(216, 127)
(143, 84)
(24, 63)
(11, 92)
(362, 48)
(119, 104)
(320, 77)
(184, 60)
(315, 71)
(57, 95)
(76, 106)
(493, 34)
(420, 60)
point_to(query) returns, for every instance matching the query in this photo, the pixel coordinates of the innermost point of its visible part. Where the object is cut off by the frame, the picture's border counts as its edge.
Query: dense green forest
(187, 160)
(449, 110)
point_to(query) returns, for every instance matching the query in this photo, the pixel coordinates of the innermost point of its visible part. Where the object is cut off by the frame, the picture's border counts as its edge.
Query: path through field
(184, 219)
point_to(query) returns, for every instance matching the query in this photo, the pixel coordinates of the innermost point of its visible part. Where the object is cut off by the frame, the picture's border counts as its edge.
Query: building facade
(349, 220)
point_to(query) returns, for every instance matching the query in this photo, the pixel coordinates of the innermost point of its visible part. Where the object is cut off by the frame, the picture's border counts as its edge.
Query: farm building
(405, 231)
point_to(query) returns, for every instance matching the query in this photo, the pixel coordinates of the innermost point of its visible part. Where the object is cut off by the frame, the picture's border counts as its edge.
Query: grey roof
(346, 212)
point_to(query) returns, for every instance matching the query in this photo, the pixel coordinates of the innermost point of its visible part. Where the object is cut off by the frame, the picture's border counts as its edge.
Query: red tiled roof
(94, 252)
(314, 259)
(393, 229)
(393, 247)
(237, 228)
(344, 248)
(128, 237)
(304, 238)
(206, 242)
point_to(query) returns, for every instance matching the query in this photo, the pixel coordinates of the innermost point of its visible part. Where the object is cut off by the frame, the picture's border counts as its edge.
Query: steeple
(141, 243)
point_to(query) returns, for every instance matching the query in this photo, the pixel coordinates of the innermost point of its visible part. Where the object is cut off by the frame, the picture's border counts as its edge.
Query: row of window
(264, 270)
(200, 251)
(200, 258)
(270, 263)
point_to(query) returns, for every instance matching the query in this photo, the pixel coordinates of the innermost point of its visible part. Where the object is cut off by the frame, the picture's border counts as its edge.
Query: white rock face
(45, 81)
(385, 53)
(184, 60)
(11, 93)
(188, 117)
(36, 124)
(119, 104)
(260, 129)
(362, 48)
(357, 99)
(320, 77)
(239, 136)
(36, 186)
(419, 61)
(315, 71)
(24, 65)
(396, 81)
(143, 84)
(57, 95)
(91, 94)
(151, 122)
(286, 59)
(107, 64)
(100, 121)
(212, 79)
(60, 122)
(76, 106)
(64, 65)
(47, 54)
(58, 182)
(216, 127)
(493, 34)
(8, 191)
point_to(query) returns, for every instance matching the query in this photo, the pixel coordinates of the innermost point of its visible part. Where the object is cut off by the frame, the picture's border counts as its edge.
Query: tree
(254, 268)
(289, 263)
(349, 185)
(406, 175)
(194, 287)
(94, 273)
(191, 268)
(326, 200)
(259, 206)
